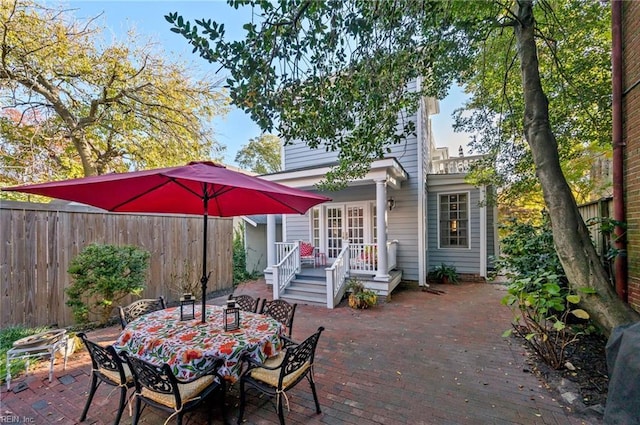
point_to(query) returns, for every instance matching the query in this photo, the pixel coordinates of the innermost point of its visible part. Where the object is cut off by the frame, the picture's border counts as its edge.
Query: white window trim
(456, 192)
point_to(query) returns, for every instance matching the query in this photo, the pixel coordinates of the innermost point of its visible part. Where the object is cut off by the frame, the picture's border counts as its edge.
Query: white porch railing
(286, 269)
(459, 165)
(353, 259)
(337, 275)
(364, 257)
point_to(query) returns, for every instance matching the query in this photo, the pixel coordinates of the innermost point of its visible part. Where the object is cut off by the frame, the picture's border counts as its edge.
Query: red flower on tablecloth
(154, 329)
(262, 327)
(188, 336)
(227, 347)
(156, 342)
(190, 355)
(268, 349)
(125, 338)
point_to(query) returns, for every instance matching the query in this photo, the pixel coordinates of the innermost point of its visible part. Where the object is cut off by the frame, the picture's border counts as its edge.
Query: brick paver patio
(420, 358)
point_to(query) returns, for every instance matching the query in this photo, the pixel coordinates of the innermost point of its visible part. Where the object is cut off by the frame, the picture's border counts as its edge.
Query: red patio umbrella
(196, 188)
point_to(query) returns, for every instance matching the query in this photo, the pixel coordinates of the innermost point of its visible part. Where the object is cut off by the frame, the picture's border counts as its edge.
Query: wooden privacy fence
(40, 240)
(602, 208)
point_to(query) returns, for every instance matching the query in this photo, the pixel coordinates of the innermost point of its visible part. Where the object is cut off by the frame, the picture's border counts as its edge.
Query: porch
(319, 282)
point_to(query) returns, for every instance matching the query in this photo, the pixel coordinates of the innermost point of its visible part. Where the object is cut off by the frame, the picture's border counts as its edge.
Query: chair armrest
(252, 364)
(287, 341)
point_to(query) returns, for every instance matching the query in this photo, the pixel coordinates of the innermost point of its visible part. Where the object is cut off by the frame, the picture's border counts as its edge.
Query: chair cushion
(187, 392)
(114, 376)
(271, 376)
(306, 250)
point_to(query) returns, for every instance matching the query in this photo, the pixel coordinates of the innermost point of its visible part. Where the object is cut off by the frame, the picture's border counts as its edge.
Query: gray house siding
(256, 250)
(491, 235)
(405, 223)
(297, 227)
(466, 260)
(402, 221)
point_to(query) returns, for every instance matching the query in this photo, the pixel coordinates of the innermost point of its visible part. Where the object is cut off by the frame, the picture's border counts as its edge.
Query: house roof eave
(386, 168)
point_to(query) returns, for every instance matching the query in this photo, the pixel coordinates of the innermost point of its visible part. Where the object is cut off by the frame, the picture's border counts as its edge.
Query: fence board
(39, 241)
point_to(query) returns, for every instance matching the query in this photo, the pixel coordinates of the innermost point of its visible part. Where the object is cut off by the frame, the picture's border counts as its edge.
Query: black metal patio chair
(282, 311)
(279, 374)
(158, 387)
(110, 368)
(246, 302)
(139, 308)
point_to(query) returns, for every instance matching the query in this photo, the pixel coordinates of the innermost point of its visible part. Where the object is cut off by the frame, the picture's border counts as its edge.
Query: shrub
(240, 273)
(359, 296)
(103, 275)
(528, 250)
(541, 308)
(445, 273)
(538, 292)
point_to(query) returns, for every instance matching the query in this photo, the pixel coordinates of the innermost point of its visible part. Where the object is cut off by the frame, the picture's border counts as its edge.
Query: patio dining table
(187, 345)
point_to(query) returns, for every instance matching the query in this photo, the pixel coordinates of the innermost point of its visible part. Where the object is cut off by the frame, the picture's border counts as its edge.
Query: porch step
(306, 290)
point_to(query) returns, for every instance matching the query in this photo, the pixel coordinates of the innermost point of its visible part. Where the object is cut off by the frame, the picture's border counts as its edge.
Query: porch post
(271, 241)
(381, 229)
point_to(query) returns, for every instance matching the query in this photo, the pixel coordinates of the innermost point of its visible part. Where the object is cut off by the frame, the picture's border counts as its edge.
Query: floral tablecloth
(161, 337)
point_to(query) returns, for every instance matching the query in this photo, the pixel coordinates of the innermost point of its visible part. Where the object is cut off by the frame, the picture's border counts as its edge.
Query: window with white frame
(315, 227)
(454, 220)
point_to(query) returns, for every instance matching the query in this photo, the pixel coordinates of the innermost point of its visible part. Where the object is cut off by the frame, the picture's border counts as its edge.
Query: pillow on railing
(306, 250)
(370, 254)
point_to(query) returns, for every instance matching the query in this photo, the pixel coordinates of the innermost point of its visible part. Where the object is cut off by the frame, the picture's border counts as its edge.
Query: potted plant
(445, 273)
(359, 296)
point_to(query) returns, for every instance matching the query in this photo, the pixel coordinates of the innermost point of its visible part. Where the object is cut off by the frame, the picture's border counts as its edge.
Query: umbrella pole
(205, 278)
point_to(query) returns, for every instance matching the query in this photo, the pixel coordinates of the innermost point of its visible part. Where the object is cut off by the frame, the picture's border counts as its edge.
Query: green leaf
(558, 325)
(573, 299)
(507, 333)
(580, 313)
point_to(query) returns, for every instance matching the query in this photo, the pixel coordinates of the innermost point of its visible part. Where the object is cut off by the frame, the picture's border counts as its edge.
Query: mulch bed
(589, 379)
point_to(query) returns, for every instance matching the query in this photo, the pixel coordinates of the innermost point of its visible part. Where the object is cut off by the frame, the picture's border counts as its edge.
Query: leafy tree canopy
(75, 105)
(261, 155)
(574, 42)
(334, 74)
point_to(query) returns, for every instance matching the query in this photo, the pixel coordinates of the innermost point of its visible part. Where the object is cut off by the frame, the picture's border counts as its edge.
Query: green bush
(541, 307)
(240, 273)
(103, 275)
(538, 293)
(359, 296)
(445, 273)
(528, 250)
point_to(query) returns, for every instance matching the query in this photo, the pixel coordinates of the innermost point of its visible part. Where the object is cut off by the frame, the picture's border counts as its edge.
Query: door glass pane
(334, 231)
(355, 224)
(315, 227)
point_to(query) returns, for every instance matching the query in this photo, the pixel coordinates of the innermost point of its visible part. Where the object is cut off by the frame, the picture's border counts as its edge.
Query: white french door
(353, 221)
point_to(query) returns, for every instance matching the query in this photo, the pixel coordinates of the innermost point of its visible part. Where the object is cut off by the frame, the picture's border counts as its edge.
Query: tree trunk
(571, 237)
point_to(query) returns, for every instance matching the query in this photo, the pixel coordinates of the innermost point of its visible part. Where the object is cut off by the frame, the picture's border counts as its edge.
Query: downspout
(620, 264)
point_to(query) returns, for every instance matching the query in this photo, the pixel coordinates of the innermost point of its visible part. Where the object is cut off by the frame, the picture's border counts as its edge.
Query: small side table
(321, 259)
(57, 340)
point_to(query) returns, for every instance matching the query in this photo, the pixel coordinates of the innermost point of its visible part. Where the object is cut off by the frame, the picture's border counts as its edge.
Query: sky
(236, 128)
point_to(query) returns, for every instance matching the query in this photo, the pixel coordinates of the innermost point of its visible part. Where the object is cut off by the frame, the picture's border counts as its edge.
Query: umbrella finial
(211, 163)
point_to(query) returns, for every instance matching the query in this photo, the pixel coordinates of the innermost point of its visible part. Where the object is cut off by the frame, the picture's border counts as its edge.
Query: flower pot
(362, 301)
